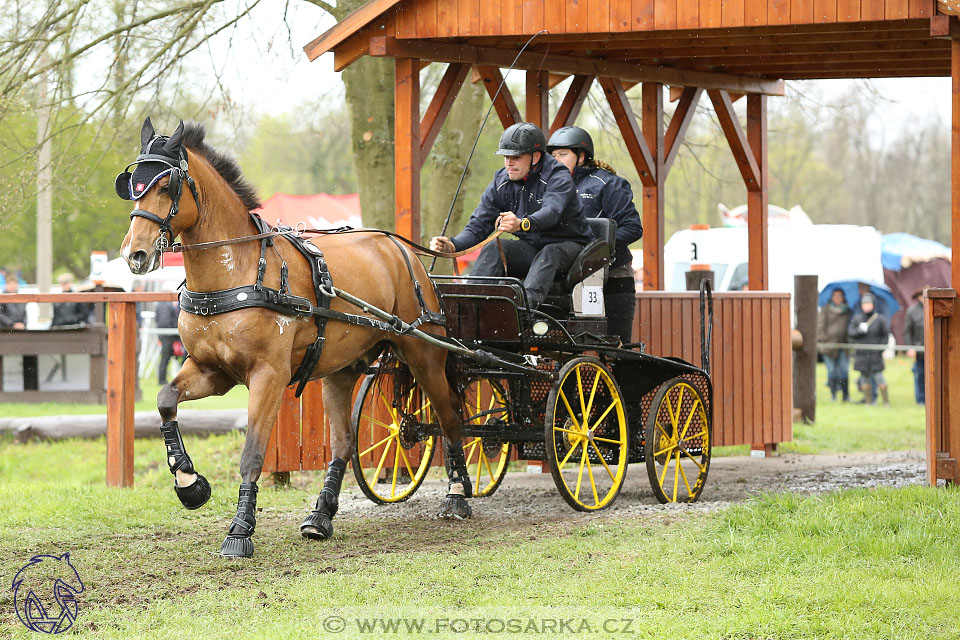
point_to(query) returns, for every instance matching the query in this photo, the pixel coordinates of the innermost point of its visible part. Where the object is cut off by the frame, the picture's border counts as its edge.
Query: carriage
(547, 385)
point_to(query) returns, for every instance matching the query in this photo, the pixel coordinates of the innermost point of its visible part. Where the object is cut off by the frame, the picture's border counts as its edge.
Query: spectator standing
(869, 326)
(167, 316)
(913, 335)
(832, 325)
(70, 313)
(13, 315)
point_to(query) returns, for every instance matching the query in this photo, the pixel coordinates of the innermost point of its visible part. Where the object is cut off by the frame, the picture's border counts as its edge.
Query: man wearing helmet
(533, 197)
(604, 194)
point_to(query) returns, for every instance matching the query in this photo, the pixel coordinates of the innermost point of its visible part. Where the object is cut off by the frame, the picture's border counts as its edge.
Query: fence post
(121, 389)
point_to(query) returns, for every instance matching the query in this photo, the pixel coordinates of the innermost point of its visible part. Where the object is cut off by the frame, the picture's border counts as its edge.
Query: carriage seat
(596, 255)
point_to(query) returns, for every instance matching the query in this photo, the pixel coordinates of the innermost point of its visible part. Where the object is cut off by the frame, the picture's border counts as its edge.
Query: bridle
(178, 175)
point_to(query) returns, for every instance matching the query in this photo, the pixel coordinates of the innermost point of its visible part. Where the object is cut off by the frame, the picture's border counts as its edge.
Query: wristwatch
(525, 224)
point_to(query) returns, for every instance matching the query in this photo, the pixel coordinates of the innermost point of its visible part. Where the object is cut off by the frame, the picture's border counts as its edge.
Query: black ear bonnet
(159, 156)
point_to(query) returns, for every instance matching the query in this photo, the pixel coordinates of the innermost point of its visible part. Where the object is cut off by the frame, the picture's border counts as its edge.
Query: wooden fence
(941, 337)
(90, 340)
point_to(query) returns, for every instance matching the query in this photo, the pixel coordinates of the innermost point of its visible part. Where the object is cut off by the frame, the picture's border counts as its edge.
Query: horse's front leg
(266, 391)
(192, 382)
(337, 400)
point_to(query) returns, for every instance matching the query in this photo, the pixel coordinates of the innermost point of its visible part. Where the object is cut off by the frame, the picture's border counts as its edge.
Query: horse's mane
(227, 167)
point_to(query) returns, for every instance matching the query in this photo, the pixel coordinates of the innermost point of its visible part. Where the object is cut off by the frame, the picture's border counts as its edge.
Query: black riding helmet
(521, 138)
(573, 138)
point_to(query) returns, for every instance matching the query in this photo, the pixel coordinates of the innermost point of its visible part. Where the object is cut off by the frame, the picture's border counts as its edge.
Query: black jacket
(12, 313)
(606, 195)
(68, 313)
(167, 315)
(546, 196)
(877, 332)
(913, 325)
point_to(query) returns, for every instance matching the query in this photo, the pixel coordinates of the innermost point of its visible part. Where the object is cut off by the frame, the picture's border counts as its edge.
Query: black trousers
(166, 352)
(537, 268)
(620, 299)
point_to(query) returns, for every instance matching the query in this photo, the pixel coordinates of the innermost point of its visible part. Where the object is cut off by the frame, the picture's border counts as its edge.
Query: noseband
(178, 175)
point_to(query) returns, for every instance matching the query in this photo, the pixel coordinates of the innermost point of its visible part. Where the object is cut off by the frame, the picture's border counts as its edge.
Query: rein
(180, 247)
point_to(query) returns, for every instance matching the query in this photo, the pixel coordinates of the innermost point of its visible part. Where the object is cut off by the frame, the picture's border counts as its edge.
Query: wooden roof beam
(503, 101)
(678, 124)
(632, 136)
(736, 137)
(572, 102)
(442, 52)
(440, 106)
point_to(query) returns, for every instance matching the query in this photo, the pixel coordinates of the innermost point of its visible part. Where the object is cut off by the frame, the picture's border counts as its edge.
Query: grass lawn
(854, 564)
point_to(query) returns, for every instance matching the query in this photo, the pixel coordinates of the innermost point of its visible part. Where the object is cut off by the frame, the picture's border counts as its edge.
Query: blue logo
(45, 593)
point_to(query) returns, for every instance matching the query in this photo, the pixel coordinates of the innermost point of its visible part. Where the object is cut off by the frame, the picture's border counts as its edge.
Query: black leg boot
(455, 505)
(319, 524)
(197, 494)
(238, 543)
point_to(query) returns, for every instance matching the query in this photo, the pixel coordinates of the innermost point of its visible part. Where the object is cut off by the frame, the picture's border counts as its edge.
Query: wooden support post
(942, 342)
(407, 147)
(678, 124)
(440, 106)
(955, 165)
(757, 198)
(121, 374)
(503, 101)
(538, 98)
(805, 357)
(572, 103)
(653, 239)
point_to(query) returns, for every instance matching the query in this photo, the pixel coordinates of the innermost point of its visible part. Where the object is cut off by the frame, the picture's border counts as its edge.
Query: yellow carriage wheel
(678, 442)
(586, 435)
(485, 403)
(391, 456)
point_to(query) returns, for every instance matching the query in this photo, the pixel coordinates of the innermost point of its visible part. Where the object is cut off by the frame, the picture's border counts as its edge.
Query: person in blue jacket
(532, 197)
(604, 194)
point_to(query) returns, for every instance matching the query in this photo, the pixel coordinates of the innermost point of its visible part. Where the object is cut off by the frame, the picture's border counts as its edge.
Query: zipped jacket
(607, 195)
(547, 197)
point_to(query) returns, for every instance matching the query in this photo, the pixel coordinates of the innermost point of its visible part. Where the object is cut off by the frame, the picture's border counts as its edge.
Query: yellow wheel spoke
(486, 461)
(608, 440)
(566, 403)
(383, 458)
(378, 423)
(425, 406)
(363, 453)
(615, 403)
(576, 433)
(396, 468)
(686, 425)
(583, 457)
(480, 459)
(593, 391)
(666, 465)
(583, 408)
(686, 482)
(696, 435)
(386, 404)
(593, 485)
(687, 453)
(567, 457)
(664, 431)
(604, 462)
(662, 451)
(406, 463)
(676, 478)
(673, 420)
(470, 449)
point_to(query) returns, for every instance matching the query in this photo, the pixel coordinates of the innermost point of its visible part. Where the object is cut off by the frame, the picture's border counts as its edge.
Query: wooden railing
(941, 322)
(750, 357)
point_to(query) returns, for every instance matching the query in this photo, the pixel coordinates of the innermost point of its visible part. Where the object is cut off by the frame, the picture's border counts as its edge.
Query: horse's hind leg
(337, 396)
(266, 391)
(191, 383)
(427, 366)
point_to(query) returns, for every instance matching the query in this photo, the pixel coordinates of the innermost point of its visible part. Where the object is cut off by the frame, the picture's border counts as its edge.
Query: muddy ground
(730, 480)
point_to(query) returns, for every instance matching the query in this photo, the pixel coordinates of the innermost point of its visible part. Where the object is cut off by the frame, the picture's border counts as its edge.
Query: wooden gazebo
(728, 49)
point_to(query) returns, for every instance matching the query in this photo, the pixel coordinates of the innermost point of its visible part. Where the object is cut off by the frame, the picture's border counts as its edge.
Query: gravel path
(732, 479)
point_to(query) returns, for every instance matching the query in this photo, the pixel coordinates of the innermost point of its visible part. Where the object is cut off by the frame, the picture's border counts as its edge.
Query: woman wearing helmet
(604, 194)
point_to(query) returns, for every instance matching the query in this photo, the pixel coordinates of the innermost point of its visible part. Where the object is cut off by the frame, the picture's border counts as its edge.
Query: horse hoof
(317, 526)
(194, 496)
(236, 547)
(455, 507)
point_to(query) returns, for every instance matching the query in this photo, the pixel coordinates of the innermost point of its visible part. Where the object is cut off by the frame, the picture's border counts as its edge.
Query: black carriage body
(491, 314)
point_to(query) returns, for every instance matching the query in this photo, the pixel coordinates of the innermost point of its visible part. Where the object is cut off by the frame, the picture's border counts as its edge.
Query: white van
(830, 251)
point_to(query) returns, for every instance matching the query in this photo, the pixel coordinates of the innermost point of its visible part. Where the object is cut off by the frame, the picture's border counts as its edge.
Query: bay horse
(260, 347)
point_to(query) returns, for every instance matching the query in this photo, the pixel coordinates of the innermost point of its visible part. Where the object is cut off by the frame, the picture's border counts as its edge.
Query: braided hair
(593, 163)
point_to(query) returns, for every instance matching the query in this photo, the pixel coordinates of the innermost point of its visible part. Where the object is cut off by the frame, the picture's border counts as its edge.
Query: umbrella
(886, 303)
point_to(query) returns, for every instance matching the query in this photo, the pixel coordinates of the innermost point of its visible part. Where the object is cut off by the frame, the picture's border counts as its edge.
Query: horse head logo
(45, 593)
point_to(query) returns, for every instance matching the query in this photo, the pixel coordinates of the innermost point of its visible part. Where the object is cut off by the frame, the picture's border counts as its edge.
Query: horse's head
(156, 184)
